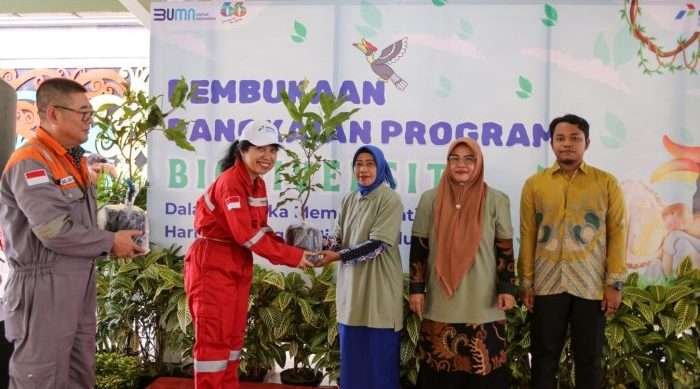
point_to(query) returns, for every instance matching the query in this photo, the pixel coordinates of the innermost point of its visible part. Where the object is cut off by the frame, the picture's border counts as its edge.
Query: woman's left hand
(505, 301)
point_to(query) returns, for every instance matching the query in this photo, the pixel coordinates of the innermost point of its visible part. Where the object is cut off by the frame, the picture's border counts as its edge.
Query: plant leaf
(365, 31)
(300, 29)
(601, 49)
(371, 14)
(179, 93)
(551, 12)
(297, 38)
(548, 22)
(525, 84)
(624, 47)
(275, 279)
(522, 95)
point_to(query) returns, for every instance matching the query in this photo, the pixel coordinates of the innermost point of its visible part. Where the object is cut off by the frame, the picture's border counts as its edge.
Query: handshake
(318, 259)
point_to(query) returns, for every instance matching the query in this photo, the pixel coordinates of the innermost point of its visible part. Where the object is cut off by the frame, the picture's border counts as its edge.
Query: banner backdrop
(425, 73)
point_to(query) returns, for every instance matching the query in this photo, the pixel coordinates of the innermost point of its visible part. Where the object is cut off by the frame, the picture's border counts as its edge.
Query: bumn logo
(173, 14)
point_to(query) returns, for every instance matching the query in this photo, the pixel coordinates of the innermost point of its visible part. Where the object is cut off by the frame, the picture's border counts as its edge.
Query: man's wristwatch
(617, 285)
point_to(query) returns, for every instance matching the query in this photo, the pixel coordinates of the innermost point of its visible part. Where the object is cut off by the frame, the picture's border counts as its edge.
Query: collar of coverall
(47, 140)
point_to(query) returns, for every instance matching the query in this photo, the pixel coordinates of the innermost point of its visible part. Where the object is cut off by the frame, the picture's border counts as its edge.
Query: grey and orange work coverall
(48, 214)
(231, 224)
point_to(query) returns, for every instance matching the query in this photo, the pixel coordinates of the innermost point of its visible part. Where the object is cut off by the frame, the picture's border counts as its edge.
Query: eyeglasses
(466, 159)
(85, 116)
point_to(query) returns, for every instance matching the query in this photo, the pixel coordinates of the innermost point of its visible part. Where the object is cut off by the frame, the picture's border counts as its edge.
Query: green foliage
(409, 340)
(651, 342)
(142, 307)
(315, 130)
(126, 126)
(116, 371)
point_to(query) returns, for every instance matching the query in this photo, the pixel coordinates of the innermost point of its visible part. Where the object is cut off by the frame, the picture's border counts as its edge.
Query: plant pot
(254, 374)
(301, 377)
(305, 236)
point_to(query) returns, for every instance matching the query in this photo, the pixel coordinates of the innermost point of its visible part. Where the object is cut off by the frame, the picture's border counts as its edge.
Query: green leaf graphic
(365, 31)
(615, 126)
(522, 95)
(685, 136)
(371, 14)
(445, 86)
(624, 47)
(610, 142)
(439, 3)
(548, 22)
(297, 38)
(300, 29)
(525, 84)
(601, 50)
(551, 12)
(466, 29)
(445, 83)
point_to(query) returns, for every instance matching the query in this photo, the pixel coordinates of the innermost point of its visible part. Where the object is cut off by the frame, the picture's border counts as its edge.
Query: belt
(226, 241)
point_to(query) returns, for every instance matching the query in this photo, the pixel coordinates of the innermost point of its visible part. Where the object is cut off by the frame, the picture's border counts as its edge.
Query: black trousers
(5, 353)
(552, 316)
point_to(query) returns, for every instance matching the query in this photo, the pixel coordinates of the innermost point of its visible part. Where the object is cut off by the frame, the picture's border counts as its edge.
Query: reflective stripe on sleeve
(234, 355)
(257, 201)
(207, 201)
(258, 235)
(209, 366)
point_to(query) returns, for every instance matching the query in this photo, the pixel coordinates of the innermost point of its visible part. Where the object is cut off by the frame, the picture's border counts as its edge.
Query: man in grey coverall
(48, 214)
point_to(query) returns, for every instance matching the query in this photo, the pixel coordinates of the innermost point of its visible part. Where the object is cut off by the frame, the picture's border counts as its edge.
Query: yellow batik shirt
(572, 232)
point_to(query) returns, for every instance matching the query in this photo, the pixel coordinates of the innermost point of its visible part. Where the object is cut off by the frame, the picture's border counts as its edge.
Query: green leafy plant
(651, 342)
(409, 341)
(126, 126)
(654, 335)
(315, 130)
(116, 371)
(142, 308)
(261, 349)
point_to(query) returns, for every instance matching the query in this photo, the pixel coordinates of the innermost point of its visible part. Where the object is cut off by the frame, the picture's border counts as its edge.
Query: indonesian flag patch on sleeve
(233, 202)
(36, 177)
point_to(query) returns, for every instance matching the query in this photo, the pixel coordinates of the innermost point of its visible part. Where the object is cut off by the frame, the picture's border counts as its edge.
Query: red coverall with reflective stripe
(231, 222)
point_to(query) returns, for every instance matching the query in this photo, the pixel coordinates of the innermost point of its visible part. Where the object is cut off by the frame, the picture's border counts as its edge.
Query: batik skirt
(460, 356)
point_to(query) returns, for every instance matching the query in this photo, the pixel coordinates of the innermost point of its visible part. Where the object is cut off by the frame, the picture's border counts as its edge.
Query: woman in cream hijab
(462, 276)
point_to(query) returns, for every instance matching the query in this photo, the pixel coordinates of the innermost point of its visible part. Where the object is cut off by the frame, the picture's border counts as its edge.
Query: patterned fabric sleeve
(363, 252)
(418, 258)
(505, 267)
(331, 242)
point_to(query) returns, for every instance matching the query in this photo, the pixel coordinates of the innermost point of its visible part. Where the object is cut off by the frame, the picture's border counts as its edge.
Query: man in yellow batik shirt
(572, 256)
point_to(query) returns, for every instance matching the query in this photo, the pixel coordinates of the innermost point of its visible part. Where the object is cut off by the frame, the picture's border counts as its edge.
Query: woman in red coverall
(231, 225)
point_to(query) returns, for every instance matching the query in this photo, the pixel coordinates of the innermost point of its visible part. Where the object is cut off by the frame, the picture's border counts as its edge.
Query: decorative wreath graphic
(686, 52)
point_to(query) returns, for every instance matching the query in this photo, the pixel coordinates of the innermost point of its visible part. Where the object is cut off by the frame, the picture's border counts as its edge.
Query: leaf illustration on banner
(616, 129)
(624, 47)
(365, 31)
(299, 32)
(371, 15)
(525, 88)
(686, 136)
(439, 3)
(601, 49)
(445, 87)
(540, 168)
(551, 16)
(465, 29)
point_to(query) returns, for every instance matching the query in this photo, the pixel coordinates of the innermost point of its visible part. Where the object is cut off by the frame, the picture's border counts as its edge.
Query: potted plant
(315, 130)
(301, 323)
(261, 350)
(125, 127)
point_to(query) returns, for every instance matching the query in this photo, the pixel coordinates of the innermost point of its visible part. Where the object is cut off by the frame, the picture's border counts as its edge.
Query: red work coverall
(231, 223)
